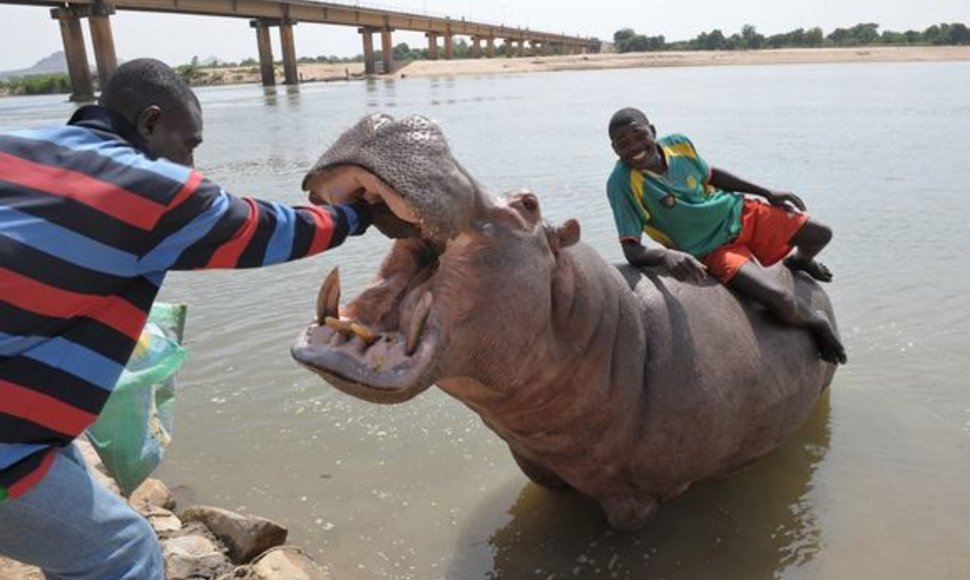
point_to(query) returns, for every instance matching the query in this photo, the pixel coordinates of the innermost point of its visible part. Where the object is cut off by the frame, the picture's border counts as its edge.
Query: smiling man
(93, 214)
(702, 220)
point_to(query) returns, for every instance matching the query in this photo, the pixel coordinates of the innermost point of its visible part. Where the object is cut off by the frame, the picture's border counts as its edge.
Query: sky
(28, 34)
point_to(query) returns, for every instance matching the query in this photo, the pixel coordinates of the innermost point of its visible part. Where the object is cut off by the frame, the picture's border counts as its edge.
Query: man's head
(634, 140)
(159, 104)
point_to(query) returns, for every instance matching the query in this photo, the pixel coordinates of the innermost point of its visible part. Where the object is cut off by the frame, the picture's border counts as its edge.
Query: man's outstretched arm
(211, 228)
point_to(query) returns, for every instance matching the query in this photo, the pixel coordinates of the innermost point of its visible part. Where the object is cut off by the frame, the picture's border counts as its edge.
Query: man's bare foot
(814, 269)
(829, 346)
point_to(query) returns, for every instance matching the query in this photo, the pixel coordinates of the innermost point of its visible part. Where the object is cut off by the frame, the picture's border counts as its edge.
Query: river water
(876, 485)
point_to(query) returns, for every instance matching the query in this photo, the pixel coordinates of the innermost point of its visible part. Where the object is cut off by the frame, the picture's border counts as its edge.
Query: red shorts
(765, 233)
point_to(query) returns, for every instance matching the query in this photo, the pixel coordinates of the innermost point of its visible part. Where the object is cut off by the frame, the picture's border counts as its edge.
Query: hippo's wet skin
(626, 386)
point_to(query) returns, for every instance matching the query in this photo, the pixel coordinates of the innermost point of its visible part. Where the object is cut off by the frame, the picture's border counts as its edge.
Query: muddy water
(875, 485)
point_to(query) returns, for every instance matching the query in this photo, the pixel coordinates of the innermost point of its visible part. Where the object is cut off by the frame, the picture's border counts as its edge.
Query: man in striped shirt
(92, 216)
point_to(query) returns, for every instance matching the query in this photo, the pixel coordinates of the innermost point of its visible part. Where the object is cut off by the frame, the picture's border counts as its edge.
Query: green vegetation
(862, 34)
(37, 85)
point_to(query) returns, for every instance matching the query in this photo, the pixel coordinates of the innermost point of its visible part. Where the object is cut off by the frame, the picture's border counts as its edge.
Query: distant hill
(55, 63)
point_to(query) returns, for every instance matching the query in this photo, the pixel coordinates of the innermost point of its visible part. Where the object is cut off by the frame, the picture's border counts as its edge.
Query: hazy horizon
(31, 35)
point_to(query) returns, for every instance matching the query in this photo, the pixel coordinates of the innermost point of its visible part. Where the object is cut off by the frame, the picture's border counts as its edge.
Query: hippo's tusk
(341, 326)
(366, 334)
(328, 299)
(417, 322)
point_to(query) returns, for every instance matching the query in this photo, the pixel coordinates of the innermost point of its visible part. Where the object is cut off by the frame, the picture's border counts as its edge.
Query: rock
(287, 563)
(13, 570)
(163, 521)
(245, 537)
(152, 493)
(193, 556)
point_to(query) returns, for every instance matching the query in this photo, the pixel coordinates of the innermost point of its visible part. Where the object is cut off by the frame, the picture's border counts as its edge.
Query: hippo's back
(726, 382)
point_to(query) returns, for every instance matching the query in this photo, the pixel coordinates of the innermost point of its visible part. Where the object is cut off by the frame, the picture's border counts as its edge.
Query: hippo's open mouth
(380, 346)
(384, 344)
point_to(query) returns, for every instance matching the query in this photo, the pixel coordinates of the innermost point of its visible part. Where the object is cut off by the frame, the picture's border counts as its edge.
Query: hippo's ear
(563, 236)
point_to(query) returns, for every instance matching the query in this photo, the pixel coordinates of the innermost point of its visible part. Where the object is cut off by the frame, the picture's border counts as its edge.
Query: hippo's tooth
(417, 322)
(366, 334)
(328, 299)
(341, 326)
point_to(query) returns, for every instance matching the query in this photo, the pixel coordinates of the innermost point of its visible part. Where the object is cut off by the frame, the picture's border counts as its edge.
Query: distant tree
(932, 35)
(750, 37)
(814, 37)
(622, 35)
(864, 33)
(713, 41)
(913, 36)
(402, 51)
(890, 37)
(37, 85)
(839, 36)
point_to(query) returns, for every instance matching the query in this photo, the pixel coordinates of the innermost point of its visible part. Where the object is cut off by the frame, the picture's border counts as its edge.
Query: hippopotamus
(622, 384)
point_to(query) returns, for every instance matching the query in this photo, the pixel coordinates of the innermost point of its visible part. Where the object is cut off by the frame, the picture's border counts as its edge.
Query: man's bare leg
(754, 282)
(808, 242)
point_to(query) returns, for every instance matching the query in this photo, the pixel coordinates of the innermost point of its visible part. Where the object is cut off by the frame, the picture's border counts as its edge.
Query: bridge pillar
(288, 47)
(521, 48)
(102, 39)
(490, 46)
(266, 73)
(509, 48)
(367, 35)
(449, 46)
(432, 45)
(476, 47)
(77, 59)
(387, 50)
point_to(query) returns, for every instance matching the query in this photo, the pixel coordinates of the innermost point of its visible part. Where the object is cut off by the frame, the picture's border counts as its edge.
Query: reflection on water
(756, 524)
(875, 486)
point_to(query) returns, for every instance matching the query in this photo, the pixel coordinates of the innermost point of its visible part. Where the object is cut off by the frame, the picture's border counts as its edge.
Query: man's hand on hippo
(390, 225)
(786, 200)
(365, 216)
(684, 267)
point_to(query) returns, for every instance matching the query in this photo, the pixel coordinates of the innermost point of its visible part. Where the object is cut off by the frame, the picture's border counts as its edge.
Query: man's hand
(786, 200)
(362, 210)
(684, 267)
(392, 226)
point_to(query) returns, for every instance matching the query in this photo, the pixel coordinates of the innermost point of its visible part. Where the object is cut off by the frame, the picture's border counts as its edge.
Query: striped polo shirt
(88, 228)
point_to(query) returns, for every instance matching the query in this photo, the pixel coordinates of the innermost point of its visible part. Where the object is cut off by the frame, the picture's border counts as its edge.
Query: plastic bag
(135, 426)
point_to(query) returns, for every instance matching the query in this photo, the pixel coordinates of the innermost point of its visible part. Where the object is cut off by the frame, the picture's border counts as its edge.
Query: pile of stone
(203, 543)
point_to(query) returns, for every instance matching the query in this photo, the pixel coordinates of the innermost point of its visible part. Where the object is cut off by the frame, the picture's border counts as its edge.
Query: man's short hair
(627, 116)
(138, 84)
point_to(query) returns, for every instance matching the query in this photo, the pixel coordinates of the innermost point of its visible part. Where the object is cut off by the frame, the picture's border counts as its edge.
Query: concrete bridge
(264, 15)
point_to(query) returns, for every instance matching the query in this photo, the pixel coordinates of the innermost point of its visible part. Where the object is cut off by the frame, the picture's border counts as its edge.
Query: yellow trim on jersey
(680, 149)
(636, 184)
(659, 237)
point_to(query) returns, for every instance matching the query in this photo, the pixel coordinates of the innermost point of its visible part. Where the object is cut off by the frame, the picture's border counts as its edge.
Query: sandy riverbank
(683, 58)
(502, 65)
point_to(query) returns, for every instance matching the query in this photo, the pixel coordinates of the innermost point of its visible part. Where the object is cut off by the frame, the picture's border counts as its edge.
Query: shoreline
(311, 72)
(325, 72)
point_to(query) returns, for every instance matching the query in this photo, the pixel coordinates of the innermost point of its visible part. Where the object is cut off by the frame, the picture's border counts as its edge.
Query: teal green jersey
(679, 209)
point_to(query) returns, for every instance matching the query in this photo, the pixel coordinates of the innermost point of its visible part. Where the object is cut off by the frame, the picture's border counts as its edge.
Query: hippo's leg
(539, 475)
(627, 513)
